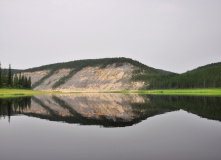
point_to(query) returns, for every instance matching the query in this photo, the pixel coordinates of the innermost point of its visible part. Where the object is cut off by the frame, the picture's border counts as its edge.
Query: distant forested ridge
(9, 80)
(208, 76)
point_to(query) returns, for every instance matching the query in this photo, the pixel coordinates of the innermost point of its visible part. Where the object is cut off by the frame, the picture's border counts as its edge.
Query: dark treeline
(203, 77)
(10, 80)
(208, 76)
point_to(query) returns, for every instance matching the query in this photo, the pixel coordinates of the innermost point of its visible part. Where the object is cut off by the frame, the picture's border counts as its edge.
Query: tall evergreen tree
(19, 80)
(22, 81)
(4, 78)
(0, 76)
(9, 76)
(29, 83)
(26, 83)
(16, 81)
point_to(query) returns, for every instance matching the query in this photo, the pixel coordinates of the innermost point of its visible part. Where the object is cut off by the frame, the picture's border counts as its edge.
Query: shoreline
(7, 93)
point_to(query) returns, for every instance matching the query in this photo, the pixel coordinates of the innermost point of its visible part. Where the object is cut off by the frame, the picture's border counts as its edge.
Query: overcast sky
(175, 35)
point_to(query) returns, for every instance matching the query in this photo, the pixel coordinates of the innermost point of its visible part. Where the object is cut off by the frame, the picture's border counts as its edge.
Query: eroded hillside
(110, 78)
(90, 75)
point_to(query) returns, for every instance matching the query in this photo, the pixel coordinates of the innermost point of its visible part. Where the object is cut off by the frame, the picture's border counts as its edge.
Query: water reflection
(108, 110)
(12, 106)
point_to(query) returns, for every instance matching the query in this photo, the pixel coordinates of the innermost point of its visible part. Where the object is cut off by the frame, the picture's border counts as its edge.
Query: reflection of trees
(207, 107)
(12, 106)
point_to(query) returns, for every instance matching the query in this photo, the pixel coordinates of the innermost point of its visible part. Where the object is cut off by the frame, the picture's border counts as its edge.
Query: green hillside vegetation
(163, 72)
(102, 63)
(208, 76)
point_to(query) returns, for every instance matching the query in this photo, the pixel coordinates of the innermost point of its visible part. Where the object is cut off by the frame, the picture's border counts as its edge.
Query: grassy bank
(196, 92)
(6, 93)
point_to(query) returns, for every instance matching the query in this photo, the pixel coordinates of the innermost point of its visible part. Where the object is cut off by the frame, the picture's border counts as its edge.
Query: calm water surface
(110, 127)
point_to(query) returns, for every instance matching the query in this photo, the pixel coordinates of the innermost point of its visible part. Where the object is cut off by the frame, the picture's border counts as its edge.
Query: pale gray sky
(175, 35)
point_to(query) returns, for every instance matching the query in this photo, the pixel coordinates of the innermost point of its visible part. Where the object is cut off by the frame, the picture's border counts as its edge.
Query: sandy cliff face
(92, 79)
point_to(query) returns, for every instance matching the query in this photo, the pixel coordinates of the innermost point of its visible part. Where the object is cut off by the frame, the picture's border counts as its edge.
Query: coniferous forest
(208, 76)
(10, 80)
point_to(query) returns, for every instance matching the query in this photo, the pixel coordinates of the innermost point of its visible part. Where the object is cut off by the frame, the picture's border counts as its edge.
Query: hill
(208, 76)
(117, 74)
(108, 74)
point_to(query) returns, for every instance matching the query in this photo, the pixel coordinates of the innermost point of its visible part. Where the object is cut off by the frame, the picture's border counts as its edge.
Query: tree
(22, 81)
(16, 81)
(26, 83)
(4, 78)
(19, 80)
(0, 76)
(9, 76)
(29, 83)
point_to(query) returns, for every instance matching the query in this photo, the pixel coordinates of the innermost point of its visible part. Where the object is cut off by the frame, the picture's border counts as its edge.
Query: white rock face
(90, 79)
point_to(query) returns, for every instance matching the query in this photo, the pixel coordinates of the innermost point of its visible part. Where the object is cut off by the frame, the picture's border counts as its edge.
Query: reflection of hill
(87, 105)
(108, 110)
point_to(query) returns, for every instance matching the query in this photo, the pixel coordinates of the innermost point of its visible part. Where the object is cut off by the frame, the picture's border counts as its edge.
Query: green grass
(6, 93)
(196, 92)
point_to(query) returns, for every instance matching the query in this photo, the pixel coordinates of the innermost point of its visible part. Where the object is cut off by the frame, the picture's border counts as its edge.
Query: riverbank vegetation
(8, 80)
